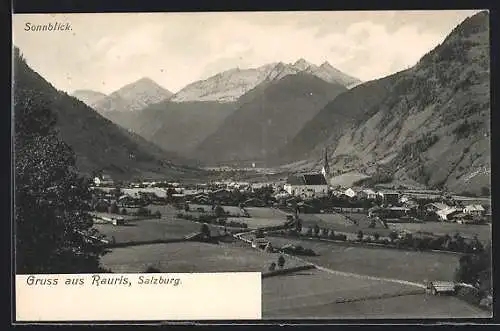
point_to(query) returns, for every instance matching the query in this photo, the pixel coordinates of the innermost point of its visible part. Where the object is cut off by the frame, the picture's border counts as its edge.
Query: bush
(113, 209)
(281, 261)
(157, 214)
(152, 269)
(143, 212)
(309, 252)
(124, 211)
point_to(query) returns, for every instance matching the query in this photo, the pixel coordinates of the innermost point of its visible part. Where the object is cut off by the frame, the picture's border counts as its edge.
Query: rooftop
(307, 179)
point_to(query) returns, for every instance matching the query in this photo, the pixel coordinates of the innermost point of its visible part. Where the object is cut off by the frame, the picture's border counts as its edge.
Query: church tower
(326, 168)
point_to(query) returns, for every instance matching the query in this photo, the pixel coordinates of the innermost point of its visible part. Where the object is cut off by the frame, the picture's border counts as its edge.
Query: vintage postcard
(252, 165)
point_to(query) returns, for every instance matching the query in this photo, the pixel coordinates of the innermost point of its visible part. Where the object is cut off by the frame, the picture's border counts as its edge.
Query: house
(440, 287)
(411, 204)
(307, 185)
(447, 214)
(389, 197)
(368, 194)
(436, 206)
(104, 180)
(475, 210)
(351, 193)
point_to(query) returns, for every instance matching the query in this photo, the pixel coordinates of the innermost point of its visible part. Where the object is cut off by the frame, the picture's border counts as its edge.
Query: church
(309, 185)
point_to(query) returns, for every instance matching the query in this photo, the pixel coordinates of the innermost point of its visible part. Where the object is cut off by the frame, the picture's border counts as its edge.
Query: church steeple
(326, 167)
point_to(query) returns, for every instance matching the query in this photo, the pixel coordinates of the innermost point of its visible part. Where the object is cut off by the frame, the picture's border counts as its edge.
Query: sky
(105, 51)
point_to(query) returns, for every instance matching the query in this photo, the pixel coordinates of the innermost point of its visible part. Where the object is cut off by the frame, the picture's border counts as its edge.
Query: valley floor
(347, 283)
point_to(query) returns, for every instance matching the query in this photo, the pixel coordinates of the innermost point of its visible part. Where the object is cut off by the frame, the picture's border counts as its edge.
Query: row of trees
(212, 219)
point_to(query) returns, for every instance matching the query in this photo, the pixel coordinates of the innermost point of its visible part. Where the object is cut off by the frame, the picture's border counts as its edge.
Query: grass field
(379, 262)
(263, 212)
(347, 179)
(483, 232)
(254, 223)
(151, 229)
(191, 257)
(233, 210)
(339, 222)
(125, 217)
(318, 294)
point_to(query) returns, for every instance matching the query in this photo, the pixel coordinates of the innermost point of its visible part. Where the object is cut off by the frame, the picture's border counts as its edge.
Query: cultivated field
(318, 294)
(191, 257)
(379, 262)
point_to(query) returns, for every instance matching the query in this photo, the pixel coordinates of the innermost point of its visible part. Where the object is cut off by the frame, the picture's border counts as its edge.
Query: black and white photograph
(344, 155)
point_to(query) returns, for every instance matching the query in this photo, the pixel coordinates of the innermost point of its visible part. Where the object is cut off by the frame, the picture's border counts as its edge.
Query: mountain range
(190, 123)
(131, 97)
(98, 143)
(267, 117)
(427, 125)
(229, 85)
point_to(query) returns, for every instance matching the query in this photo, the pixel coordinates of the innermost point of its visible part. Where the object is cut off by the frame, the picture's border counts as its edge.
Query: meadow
(150, 229)
(191, 257)
(340, 223)
(379, 262)
(318, 294)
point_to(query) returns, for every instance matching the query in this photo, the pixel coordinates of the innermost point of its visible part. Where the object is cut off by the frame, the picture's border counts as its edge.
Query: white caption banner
(153, 296)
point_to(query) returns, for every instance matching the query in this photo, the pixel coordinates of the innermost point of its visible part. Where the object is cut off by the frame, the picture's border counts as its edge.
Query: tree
(259, 233)
(316, 230)
(393, 235)
(52, 224)
(205, 230)
(113, 209)
(485, 191)
(281, 261)
(157, 214)
(170, 193)
(360, 235)
(124, 211)
(475, 268)
(299, 225)
(219, 211)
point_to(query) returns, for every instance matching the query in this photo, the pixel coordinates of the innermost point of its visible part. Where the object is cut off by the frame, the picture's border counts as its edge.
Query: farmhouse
(104, 180)
(440, 287)
(436, 206)
(447, 214)
(307, 185)
(475, 210)
(389, 197)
